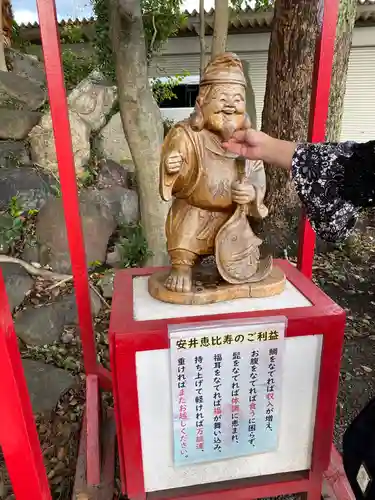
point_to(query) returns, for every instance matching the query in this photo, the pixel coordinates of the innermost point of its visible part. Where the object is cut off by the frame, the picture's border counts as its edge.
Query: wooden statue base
(209, 287)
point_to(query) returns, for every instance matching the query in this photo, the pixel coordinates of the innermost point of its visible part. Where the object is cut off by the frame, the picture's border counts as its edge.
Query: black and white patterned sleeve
(334, 182)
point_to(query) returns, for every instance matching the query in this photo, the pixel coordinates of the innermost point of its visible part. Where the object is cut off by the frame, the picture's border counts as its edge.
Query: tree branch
(151, 50)
(221, 21)
(36, 271)
(202, 40)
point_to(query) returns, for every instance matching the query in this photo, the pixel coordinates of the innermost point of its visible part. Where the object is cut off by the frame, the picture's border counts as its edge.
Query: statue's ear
(196, 118)
(199, 101)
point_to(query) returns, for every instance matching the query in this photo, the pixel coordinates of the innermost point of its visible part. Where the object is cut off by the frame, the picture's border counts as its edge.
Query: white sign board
(226, 388)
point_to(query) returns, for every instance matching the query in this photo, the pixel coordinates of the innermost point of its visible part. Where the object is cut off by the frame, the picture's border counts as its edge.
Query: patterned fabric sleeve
(334, 181)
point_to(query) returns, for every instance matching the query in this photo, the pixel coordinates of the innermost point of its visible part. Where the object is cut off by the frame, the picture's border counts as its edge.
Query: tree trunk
(141, 119)
(345, 25)
(288, 90)
(221, 21)
(287, 106)
(202, 38)
(3, 64)
(251, 109)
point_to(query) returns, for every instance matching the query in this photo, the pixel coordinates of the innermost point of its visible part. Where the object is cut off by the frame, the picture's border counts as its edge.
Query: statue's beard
(225, 124)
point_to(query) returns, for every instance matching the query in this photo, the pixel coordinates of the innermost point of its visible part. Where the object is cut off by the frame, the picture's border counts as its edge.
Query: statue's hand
(173, 162)
(243, 193)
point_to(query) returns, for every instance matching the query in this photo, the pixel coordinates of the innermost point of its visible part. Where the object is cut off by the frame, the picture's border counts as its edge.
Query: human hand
(256, 145)
(248, 143)
(242, 193)
(174, 162)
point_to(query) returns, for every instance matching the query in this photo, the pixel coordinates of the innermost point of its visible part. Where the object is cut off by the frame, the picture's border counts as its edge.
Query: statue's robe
(202, 189)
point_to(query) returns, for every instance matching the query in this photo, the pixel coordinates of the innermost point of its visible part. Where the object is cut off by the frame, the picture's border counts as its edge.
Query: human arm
(256, 145)
(334, 181)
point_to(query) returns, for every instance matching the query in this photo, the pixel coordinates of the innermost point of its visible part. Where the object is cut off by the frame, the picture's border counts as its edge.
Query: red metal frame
(318, 117)
(18, 436)
(128, 336)
(65, 158)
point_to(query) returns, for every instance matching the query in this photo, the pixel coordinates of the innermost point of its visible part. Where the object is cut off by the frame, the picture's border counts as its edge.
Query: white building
(249, 34)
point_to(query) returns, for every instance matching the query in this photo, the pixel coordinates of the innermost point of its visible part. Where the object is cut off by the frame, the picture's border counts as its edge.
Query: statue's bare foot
(179, 279)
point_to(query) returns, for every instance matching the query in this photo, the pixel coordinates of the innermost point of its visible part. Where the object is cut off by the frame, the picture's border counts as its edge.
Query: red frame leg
(315, 489)
(64, 153)
(18, 435)
(318, 117)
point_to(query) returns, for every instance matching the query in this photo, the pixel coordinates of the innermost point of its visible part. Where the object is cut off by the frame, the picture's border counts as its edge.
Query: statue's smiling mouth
(229, 111)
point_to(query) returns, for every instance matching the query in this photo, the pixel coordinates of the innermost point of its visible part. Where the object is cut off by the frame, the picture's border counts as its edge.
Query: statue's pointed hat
(225, 68)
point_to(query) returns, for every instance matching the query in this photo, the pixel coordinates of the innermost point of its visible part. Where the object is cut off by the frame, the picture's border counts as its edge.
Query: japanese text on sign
(226, 399)
(218, 340)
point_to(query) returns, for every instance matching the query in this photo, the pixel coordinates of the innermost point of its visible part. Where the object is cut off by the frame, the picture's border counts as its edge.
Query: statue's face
(224, 109)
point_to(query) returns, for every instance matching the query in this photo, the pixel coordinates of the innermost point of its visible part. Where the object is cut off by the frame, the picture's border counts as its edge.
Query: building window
(186, 95)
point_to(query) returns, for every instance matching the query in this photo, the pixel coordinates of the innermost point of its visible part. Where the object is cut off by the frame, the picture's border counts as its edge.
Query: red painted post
(64, 152)
(18, 436)
(93, 451)
(318, 117)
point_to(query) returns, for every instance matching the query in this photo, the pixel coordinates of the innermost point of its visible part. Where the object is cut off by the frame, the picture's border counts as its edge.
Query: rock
(121, 202)
(92, 100)
(44, 325)
(107, 284)
(114, 258)
(31, 187)
(98, 225)
(18, 283)
(42, 143)
(67, 338)
(13, 154)
(112, 174)
(45, 384)
(112, 145)
(20, 93)
(6, 225)
(26, 66)
(16, 124)
(31, 252)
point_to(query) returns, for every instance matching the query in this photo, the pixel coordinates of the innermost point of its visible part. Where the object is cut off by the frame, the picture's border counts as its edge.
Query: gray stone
(16, 124)
(6, 225)
(92, 100)
(31, 252)
(42, 143)
(45, 384)
(17, 283)
(44, 325)
(121, 202)
(112, 174)
(13, 154)
(112, 144)
(20, 93)
(114, 258)
(98, 225)
(107, 284)
(129, 212)
(31, 187)
(26, 66)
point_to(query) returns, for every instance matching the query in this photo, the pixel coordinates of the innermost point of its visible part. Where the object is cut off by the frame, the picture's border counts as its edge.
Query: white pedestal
(147, 308)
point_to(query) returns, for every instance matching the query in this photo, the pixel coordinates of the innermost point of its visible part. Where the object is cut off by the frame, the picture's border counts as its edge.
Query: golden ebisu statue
(213, 191)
